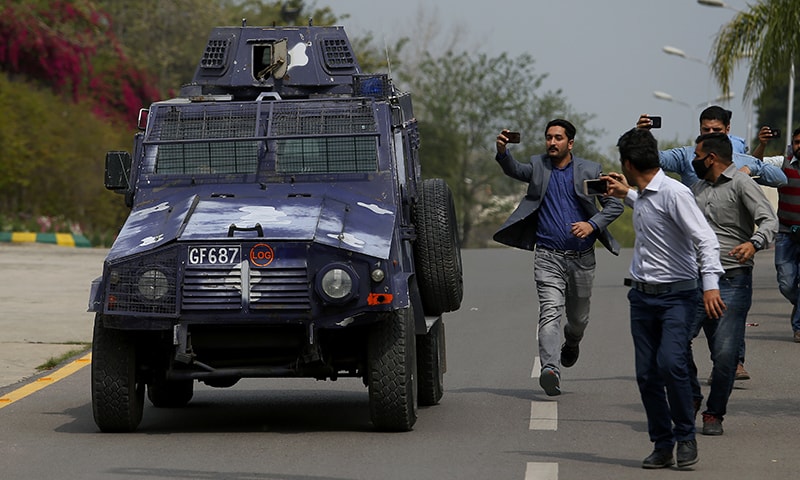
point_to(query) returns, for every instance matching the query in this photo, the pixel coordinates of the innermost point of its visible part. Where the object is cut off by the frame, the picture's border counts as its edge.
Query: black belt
(567, 253)
(661, 288)
(735, 272)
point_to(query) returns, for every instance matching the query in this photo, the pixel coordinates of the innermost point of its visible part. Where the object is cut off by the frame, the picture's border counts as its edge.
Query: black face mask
(700, 168)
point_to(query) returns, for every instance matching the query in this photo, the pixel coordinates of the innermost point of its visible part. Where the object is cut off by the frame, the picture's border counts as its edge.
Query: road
(494, 422)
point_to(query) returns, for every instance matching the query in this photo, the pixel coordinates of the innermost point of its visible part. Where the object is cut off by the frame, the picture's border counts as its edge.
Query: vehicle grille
(269, 289)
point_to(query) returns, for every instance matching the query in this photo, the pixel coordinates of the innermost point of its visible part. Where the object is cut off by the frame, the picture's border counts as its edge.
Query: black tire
(437, 254)
(431, 365)
(117, 395)
(170, 394)
(392, 372)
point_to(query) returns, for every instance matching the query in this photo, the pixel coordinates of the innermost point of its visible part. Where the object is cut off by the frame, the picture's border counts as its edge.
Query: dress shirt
(732, 205)
(671, 235)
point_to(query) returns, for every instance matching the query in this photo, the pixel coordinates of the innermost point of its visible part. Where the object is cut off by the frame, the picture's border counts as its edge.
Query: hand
(743, 252)
(501, 142)
(764, 135)
(581, 229)
(617, 185)
(644, 122)
(745, 169)
(715, 307)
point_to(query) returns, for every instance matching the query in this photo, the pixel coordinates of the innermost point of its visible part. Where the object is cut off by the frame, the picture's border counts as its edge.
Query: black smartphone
(655, 122)
(775, 132)
(595, 187)
(513, 137)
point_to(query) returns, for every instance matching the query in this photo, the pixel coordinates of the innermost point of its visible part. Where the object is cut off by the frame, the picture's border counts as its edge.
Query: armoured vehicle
(279, 227)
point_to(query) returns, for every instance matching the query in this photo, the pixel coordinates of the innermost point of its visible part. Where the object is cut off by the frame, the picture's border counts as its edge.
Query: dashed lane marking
(537, 367)
(541, 471)
(43, 382)
(544, 416)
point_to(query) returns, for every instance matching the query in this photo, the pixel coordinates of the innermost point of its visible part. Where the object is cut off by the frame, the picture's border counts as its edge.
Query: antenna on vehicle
(244, 22)
(388, 60)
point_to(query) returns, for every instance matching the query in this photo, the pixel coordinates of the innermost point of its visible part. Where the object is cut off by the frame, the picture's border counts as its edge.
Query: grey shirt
(734, 206)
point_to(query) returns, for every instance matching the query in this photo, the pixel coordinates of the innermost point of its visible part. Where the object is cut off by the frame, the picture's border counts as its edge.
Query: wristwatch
(757, 243)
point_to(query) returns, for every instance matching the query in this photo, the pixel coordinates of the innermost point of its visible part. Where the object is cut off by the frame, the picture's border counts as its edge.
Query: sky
(605, 55)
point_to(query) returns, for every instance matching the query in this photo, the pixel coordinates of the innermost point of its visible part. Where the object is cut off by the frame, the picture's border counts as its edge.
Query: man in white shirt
(671, 236)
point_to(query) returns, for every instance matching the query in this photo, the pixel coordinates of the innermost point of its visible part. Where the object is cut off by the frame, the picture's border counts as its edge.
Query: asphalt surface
(494, 422)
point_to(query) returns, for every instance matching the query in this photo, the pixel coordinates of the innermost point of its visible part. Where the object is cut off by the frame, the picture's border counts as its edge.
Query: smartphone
(513, 137)
(775, 132)
(595, 187)
(655, 122)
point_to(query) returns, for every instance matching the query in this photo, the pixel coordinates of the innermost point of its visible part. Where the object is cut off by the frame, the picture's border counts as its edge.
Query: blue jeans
(787, 266)
(661, 336)
(724, 336)
(564, 286)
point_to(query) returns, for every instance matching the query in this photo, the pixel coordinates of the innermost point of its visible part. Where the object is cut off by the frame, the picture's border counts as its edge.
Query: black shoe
(569, 354)
(660, 458)
(712, 425)
(550, 382)
(687, 453)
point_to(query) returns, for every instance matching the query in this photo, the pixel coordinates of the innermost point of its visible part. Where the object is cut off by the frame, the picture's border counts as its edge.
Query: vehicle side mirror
(118, 170)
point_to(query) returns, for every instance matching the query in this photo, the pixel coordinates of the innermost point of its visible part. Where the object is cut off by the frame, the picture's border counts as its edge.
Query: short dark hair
(715, 112)
(796, 132)
(560, 122)
(639, 147)
(717, 143)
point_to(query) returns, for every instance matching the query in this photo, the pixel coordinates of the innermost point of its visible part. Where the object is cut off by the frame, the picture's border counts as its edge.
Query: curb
(63, 239)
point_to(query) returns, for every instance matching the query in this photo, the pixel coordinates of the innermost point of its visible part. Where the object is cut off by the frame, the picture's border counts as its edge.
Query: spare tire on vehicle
(437, 253)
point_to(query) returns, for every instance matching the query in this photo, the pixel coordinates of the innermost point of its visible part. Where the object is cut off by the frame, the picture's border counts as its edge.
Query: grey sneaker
(550, 382)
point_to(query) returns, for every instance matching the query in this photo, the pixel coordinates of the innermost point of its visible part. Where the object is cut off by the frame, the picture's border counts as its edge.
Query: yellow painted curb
(45, 381)
(23, 237)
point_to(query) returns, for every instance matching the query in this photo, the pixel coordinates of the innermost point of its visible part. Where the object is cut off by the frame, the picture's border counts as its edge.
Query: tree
(463, 100)
(765, 36)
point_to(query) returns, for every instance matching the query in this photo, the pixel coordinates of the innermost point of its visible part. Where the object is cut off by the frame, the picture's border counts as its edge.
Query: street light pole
(789, 127)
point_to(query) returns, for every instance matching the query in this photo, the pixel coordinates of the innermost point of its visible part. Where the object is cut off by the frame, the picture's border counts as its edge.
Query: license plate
(213, 255)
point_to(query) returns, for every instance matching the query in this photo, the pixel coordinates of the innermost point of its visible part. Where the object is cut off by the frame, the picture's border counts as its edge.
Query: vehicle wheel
(117, 396)
(431, 364)
(392, 374)
(437, 254)
(170, 394)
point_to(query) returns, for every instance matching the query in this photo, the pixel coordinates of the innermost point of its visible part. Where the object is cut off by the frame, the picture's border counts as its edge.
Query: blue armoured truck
(279, 227)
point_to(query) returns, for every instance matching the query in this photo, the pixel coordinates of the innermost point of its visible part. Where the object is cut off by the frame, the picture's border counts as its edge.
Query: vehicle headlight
(153, 284)
(337, 284)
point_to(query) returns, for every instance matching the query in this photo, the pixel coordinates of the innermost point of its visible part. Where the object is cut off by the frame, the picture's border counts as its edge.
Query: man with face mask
(787, 242)
(734, 206)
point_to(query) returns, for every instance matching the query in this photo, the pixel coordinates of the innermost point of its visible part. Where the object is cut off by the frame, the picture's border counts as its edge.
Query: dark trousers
(724, 336)
(660, 326)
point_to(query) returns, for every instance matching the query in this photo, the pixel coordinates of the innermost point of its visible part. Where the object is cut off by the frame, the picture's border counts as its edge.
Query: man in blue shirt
(673, 243)
(716, 119)
(561, 223)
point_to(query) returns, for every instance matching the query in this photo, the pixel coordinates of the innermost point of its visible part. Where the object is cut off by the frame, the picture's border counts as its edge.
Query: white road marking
(544, 416)
(537, 367)
(541, 471)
